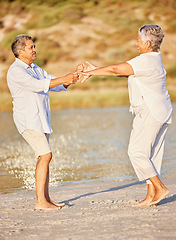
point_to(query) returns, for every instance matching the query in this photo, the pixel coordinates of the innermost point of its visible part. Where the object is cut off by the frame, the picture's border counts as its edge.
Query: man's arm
(66, 80)
(17, 75)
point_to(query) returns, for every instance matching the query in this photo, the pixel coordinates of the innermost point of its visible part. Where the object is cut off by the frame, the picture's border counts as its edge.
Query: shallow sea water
(87, 144)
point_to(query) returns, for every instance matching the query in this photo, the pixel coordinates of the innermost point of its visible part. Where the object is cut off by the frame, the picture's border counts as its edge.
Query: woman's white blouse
(148, 83)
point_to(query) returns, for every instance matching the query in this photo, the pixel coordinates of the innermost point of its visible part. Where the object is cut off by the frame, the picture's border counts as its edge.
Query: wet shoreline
(87, 145)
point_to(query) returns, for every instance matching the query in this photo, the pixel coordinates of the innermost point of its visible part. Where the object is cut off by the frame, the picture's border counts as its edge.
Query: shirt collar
(20, 62)
(152, 53)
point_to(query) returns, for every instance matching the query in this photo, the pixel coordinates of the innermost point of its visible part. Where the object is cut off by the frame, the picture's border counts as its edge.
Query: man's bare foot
(160, 194)
(45, 206)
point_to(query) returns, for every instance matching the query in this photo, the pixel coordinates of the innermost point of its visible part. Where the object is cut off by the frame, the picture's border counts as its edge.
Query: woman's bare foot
(146, 202)
(160, 190)
(150, 195)
(160, 194)
(60, 205)
(45, 206)
(143, 203)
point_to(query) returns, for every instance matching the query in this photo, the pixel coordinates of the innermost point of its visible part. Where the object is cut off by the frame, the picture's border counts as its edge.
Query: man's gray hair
(152, 33)
(19, 43)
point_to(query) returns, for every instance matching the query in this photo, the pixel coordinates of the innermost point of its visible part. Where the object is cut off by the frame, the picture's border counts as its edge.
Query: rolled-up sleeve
(59, 88)
(47, 84)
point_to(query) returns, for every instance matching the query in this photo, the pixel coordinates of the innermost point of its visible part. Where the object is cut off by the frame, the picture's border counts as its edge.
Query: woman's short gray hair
(19, 43)
(152, 33)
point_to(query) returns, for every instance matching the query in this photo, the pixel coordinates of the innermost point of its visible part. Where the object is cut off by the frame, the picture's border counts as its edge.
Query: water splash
(86, 145)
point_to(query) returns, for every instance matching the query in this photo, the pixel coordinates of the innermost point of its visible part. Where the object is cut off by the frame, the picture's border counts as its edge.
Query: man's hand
(71, 78)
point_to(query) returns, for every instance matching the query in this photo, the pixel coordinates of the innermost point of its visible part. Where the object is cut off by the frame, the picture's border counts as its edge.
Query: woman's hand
(82, 70)
(89, 66)
(85, 67)
(83, 76)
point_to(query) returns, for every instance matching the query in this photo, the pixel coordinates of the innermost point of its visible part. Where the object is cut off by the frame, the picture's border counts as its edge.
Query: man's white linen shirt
(148, 84)
(29, 87)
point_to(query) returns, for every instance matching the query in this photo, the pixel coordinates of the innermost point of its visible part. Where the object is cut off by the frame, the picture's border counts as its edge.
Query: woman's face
(142, 47)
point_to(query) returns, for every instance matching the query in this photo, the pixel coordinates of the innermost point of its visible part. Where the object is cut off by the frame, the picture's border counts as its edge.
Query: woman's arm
(119, 70)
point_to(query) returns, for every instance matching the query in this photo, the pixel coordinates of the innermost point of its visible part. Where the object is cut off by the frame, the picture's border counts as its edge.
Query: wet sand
(94, 210)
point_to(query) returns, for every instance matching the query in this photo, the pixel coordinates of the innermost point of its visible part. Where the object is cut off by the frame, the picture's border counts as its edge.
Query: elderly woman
(151, 105)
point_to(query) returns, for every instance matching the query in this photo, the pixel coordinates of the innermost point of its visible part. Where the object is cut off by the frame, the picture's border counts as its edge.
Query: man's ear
(20, 52)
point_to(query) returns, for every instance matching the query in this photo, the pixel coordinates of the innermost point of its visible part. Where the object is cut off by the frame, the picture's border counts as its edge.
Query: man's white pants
(146, 145)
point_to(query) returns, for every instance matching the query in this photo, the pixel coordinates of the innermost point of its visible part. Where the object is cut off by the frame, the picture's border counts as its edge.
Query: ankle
(151, 195)
(41, 201)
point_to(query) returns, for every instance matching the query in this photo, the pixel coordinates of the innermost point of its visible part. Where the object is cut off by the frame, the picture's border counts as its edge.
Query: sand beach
(99, 184)
(94, 210)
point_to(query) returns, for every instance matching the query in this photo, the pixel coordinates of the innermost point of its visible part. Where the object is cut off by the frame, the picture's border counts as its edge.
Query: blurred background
(70, 32)
(91, 133)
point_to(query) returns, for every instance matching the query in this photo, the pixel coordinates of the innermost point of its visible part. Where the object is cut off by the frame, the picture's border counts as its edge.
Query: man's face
(29, 52)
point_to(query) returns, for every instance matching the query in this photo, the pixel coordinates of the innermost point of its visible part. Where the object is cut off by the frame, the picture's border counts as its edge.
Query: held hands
(83, 71)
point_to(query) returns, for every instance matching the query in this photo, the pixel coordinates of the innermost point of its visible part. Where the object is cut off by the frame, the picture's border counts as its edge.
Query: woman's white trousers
(146, 144)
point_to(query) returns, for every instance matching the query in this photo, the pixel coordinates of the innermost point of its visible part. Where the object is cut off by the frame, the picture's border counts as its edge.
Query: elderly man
(29, 86)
